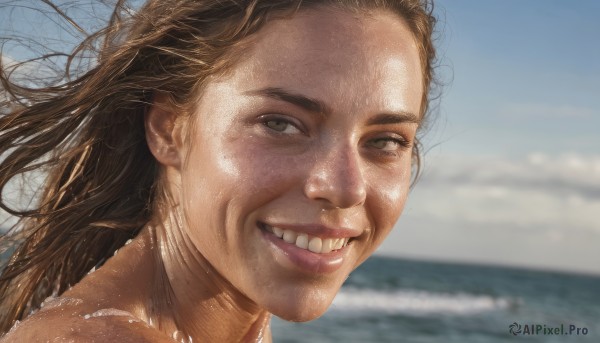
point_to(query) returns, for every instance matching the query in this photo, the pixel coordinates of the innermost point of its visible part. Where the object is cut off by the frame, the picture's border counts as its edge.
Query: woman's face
(310, 134)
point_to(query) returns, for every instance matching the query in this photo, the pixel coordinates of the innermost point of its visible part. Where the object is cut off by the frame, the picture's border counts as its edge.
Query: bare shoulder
(72, 323)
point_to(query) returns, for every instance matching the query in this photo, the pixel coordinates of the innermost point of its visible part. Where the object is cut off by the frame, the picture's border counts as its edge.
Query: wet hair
(86, 133)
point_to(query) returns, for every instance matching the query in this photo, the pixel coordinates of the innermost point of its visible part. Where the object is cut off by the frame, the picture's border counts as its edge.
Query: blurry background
(511, 178)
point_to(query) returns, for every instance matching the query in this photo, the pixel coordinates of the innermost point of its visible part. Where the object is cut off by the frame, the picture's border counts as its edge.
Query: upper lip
(319, 230)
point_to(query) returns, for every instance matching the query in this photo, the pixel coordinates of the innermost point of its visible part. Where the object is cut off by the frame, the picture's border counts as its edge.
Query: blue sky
(512, 173)
(526, 75)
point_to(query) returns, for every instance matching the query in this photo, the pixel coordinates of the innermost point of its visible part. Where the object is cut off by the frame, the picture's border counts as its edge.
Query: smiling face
(299, 160)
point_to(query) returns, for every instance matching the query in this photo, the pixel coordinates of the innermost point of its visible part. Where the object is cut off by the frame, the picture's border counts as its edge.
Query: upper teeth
(304, 241)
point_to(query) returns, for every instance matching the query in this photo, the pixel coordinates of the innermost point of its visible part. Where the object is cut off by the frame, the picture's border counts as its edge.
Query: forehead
(330, 54)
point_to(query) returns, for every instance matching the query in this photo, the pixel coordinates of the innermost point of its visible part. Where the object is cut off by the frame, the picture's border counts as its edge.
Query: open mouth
(304, 241)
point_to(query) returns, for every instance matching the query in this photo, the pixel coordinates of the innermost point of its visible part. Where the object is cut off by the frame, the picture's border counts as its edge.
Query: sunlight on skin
(259, 159)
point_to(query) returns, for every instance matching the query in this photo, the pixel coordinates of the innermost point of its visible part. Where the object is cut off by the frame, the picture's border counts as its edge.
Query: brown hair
(102, 182)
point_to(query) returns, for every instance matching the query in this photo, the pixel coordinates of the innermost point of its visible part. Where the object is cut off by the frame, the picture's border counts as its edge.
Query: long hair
(86, 131)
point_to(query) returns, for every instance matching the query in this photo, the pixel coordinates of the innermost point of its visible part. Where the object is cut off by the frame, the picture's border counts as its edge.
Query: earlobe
(161, 132)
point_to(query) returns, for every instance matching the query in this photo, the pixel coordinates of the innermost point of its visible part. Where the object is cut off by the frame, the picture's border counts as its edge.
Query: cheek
(389, 194)
(260, 175)
(225, 180)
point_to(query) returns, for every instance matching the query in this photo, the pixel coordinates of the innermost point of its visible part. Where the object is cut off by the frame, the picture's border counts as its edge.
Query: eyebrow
(394, 118)
(307, 103)
(318, 106)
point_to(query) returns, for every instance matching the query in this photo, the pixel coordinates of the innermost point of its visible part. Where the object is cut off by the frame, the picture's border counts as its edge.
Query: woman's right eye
(280, 125)
(277, 125)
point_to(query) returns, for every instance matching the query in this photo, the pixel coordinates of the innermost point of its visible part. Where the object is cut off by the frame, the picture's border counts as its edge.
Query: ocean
(397, 300)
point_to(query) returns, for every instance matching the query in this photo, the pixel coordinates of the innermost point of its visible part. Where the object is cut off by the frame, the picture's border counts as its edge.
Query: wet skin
(312, 130)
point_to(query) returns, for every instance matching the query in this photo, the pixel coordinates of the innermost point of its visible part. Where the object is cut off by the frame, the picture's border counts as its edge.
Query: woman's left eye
(389, 144)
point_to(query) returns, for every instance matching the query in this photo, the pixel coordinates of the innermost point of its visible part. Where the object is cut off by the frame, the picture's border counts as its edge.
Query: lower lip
(306, 260)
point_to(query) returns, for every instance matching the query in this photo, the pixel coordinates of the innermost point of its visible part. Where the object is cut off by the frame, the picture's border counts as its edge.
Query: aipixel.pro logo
(517, 329)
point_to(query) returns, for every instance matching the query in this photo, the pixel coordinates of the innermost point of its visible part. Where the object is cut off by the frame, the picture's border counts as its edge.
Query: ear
(162, 132)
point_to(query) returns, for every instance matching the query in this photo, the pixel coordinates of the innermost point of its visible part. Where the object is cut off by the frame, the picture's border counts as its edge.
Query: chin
(302, 308)
(300, 314)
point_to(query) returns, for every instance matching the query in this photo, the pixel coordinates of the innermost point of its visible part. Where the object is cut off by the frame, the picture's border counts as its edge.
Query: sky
(512, 163)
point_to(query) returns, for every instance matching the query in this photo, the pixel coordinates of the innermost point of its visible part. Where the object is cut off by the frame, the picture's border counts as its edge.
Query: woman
(255, 152)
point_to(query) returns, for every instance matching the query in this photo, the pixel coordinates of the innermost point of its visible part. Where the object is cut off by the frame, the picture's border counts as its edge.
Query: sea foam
(351, 301)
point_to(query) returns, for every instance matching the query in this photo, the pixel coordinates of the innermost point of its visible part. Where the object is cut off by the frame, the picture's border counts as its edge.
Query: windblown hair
(86, 133)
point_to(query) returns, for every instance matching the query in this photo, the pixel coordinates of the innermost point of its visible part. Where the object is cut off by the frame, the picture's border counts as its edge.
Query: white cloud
(557, 192)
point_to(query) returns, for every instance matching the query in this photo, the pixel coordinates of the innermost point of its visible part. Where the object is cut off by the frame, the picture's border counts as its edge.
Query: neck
(190, 299)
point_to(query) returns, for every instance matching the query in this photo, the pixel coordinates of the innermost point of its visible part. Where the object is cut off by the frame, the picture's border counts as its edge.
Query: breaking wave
(414, 302)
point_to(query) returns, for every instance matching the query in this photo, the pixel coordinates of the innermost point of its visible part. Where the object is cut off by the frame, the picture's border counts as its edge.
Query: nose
(336, 178)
